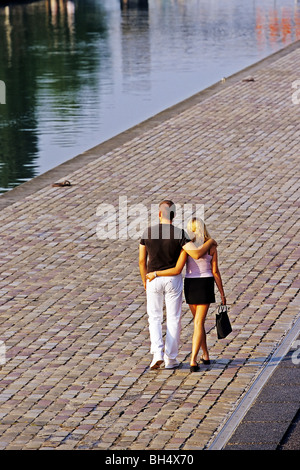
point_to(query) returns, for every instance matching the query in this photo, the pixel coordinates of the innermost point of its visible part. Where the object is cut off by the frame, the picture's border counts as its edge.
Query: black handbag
(223, 325)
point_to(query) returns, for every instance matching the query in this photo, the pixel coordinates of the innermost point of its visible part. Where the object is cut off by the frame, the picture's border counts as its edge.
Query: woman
(199, 282)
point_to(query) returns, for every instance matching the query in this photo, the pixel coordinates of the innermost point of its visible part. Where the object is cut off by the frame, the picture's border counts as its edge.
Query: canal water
(75, 73)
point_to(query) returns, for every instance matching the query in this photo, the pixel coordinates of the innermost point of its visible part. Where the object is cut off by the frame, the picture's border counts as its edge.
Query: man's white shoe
(171, 364)
(156, 362)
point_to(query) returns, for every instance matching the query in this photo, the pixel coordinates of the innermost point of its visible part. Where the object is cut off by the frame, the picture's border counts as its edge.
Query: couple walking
(163, 252)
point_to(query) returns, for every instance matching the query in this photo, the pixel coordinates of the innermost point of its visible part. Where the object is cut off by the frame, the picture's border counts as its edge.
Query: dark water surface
(79, 72)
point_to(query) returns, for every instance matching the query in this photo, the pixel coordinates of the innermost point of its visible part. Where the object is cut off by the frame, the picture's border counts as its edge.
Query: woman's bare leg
(199, 335)
(193, 309)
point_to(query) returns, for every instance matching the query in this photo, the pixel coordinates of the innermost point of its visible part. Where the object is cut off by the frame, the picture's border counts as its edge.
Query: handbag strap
(222, 309)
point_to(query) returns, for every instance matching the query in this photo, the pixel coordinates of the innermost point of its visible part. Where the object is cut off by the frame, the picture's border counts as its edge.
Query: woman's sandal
(195, 368)
(205, 361)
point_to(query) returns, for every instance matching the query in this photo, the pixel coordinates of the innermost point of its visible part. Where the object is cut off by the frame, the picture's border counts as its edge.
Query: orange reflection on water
(260, 35)
(286, 23)
(297, 22)
(277, 25)
(274, 27)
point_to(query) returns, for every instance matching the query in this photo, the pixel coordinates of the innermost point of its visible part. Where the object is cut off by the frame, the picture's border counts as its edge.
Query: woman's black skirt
(199, 290)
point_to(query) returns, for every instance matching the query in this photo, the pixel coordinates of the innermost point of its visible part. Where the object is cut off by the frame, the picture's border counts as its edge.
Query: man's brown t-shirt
(163, 244)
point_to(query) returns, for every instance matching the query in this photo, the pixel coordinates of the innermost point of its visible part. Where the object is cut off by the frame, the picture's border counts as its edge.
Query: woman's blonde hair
(197, 231)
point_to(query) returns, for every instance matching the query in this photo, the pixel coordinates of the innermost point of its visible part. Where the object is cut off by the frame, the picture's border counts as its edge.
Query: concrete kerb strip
(220, 440)
(75, 163)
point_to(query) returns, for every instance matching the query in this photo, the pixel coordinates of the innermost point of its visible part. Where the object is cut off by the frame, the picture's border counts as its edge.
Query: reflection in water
(136, 49)
(78, 72)
(139, 4)
(273, 23)
(18, 147)
(46, 69)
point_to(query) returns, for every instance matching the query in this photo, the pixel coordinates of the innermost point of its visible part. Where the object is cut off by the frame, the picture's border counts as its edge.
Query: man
(159, 249)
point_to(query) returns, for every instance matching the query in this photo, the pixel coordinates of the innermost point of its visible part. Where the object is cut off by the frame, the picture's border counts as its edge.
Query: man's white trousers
(166, 289)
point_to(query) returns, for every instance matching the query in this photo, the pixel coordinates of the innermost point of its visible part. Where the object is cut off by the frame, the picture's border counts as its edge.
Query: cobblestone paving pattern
(72, 307)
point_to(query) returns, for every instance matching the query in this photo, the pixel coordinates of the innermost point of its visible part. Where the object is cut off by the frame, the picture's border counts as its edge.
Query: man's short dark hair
(168, 209)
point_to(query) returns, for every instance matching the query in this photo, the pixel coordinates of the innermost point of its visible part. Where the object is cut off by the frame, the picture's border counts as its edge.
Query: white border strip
(232, 423)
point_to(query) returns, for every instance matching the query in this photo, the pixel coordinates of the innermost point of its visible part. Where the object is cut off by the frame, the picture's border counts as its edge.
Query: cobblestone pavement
(72, 306)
